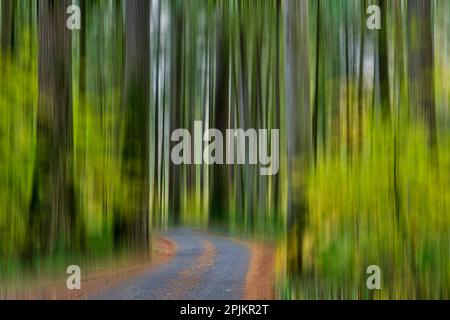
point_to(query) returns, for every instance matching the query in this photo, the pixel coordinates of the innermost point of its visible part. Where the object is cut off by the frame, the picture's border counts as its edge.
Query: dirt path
(95, 279)
(185, 264)
(260, 280)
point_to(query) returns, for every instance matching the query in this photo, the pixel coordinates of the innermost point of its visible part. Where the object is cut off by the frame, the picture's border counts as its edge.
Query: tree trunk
(157, 122)
(335, 39)
(219, 200)
(348, 98)
(176, 100)
(421, 65)
(132, 227)
(52, 206)
(6, 26)
(277, 112)
(315, 124)
(298, 124)
(383, 64)
(361, 77)
(82, 77)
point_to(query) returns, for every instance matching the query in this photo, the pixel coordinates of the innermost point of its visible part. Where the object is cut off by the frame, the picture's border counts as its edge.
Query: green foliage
(18, 96)
(390, 208)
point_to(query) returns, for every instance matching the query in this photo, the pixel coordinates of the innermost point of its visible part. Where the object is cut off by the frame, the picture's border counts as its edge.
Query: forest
(362, 117)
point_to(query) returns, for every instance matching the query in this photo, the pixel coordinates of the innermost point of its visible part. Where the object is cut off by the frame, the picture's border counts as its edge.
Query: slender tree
(383, 63)
(361, 75)
(335, 46)
(82, 76)
(277, 111)
(315, 124)
(176, 100)
(348, 94)
(156, 187)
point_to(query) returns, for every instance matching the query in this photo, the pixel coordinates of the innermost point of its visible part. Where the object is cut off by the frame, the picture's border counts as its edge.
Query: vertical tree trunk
(421, 65)
(207, 66)
(6, 26)
(52, 206)
(219, 201)
(163, 130)
(348, 94)
(176, 101)
(82, 77)
(298, 123)
(82, 106)
(399, 59)
(315, 124)
(157, 122)
(361, 76)
(277, 112)
(334, 33)
(383, 64)
(132, 226)
(244, 105)
(400, 102)
(118, 58)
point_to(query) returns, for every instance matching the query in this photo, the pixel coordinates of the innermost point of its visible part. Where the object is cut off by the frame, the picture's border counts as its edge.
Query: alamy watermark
(374, 279)
(374, 20)
(74, 280)
(73, 22)
(240, 146)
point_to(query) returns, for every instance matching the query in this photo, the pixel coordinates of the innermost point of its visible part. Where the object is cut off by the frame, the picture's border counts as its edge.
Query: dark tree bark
(82, 77)
(157, 123)
(52, 207)
(298, 124)
(6, 25)
(132, 225)
(219, 200)
(421, 65)
(383, 64)
(176, 101)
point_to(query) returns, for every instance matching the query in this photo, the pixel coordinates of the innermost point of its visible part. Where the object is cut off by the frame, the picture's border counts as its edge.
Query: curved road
(204, 267)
